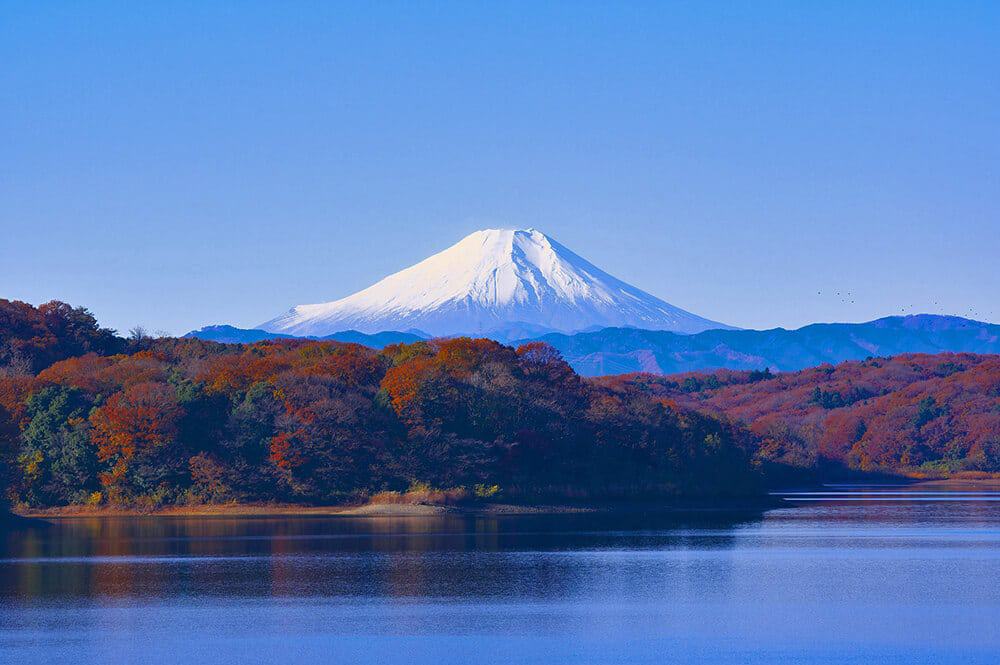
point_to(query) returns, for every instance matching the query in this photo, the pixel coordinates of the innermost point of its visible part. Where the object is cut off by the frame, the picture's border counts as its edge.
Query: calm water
(846, 576)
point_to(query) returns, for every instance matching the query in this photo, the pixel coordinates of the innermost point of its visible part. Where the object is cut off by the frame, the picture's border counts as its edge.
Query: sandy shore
(293, 510)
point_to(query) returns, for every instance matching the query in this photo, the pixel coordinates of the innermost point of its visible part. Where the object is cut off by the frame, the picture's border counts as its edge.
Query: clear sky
(179, 164)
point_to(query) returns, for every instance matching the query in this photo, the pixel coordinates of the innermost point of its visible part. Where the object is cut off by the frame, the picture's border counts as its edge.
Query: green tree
(57, 458)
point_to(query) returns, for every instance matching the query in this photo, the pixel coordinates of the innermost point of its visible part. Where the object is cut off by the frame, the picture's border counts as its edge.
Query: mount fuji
(519, 281)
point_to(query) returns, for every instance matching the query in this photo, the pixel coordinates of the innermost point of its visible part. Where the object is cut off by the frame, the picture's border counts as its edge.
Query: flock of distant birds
(847, 298)
(844, 299)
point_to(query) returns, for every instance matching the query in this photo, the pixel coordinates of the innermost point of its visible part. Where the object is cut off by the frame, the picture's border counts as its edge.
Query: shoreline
(399, 509)
(748, 503)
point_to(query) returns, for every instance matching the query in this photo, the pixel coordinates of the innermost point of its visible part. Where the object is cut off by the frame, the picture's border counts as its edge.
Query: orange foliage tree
(134, 422)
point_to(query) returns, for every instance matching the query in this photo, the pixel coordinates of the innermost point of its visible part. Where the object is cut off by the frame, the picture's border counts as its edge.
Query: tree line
(87, 417)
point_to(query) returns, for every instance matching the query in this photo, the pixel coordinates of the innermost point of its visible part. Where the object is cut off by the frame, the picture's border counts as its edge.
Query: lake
(842, 574)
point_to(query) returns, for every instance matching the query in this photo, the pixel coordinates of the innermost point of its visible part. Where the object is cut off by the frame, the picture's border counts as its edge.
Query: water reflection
(338, 556)
(836, 580)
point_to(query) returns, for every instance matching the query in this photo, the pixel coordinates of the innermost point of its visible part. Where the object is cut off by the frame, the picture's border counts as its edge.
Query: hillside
(32, 338)
(86, 416)
(185, 421)
(914, 413)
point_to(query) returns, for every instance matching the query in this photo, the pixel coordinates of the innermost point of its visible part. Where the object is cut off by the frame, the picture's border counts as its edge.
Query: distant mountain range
(623, 350)
(496, 283)
(520, 285)
(231, 335)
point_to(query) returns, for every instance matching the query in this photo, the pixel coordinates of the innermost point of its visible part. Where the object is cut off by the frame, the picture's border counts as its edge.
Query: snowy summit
(493, 280)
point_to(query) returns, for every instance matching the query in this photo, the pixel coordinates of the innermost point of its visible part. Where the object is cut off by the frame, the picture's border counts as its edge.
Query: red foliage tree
(141, 418)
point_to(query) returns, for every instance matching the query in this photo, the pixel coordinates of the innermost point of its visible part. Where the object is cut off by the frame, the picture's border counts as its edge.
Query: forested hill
(188, 421)
(915, 413)
(32, 338)
(88, 417)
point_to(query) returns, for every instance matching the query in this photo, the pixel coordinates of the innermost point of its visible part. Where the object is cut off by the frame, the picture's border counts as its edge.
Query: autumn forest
(89, 417)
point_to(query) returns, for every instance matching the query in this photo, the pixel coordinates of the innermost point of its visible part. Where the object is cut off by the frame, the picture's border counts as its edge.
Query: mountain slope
(493, 279)
(619, 351)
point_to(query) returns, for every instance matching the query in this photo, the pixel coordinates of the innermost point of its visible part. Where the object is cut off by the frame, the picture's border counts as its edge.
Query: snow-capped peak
(489, 280)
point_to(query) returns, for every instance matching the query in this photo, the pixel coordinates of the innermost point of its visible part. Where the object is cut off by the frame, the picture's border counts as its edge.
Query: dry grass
(423, 495)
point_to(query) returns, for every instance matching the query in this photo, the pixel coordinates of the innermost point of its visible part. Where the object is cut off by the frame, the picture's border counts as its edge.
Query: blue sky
(178, 164)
